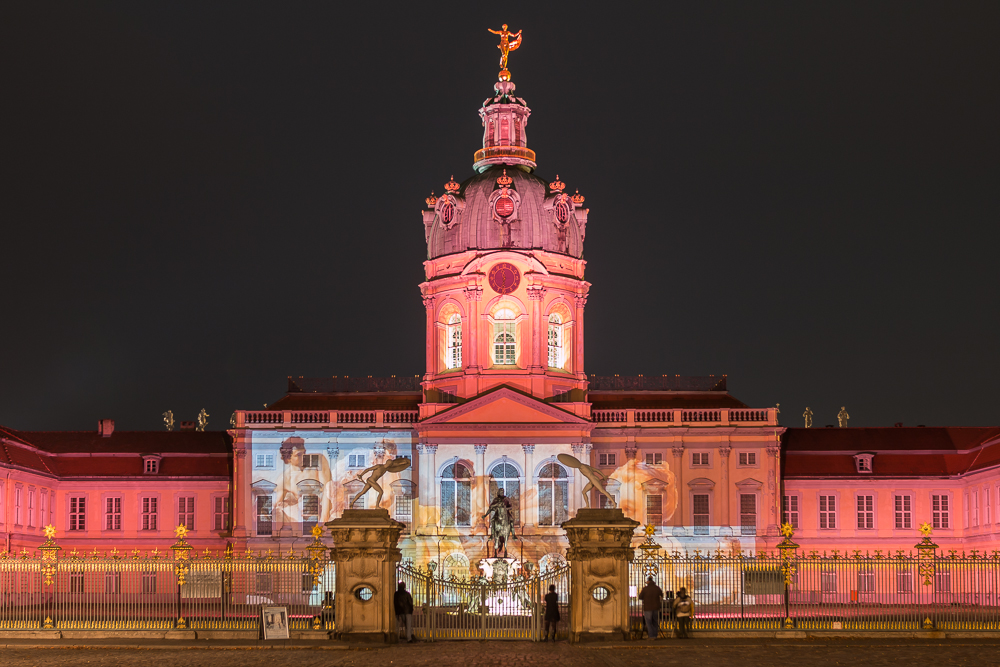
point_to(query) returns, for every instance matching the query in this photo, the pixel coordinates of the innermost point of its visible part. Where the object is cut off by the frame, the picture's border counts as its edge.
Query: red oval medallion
(504, 207)
(504, 278)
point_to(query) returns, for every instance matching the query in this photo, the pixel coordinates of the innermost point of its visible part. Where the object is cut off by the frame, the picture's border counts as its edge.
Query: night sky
(201, 199)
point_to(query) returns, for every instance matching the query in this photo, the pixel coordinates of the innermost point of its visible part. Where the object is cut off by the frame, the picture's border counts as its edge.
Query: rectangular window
(904, 581)
(866, 512)
(112, 514)
(112, 583)
(149, 514)
(356, 461)
(31, 508)
(790, 511)
(18, 512)
(974, 507)
(310, 461)
(606, 459)
(654, 509)
(904, 513)
(828, 512)
(77, 513)
(986, 506)
(76, 581)
(152, 465)
(310, 512)
(265, 461)
(699, 458)
(866, 581)
(221, 513)
(748, 458)
(942, 581)
(504, 343)
(149, 583)
(828, 581)
(263, 582)
(748, 514)
(185, 512)
(404, 507)
(940, 514)
(604, 503)
(654, 459)
(264, 505)
(699, 510)
(43, 497)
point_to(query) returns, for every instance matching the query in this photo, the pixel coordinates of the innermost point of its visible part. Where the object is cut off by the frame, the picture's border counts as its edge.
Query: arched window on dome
(505, 476)
(556, 357)
(504, 132)
(453, 353)
(553, 495)
(504, 338)
(456, 495)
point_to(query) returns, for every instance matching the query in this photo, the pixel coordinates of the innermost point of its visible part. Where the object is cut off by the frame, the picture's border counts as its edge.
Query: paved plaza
(694, 653)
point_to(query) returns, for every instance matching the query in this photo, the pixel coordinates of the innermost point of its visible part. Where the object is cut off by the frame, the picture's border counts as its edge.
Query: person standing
(684, 611)
(551, 613)
(652, 602)
(403, 603)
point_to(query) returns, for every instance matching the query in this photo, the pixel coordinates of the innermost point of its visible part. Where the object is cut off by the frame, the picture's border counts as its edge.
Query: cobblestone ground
(720, 653)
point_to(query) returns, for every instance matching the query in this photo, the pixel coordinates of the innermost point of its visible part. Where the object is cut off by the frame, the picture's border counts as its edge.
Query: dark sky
(200, 199)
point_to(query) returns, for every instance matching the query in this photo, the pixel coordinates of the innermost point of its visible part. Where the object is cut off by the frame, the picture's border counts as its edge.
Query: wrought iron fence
(482, 608)
(874, 590)
(177, 588)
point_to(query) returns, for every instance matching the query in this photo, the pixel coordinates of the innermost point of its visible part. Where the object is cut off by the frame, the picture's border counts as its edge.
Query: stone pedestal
(366, 555)
(600, 550)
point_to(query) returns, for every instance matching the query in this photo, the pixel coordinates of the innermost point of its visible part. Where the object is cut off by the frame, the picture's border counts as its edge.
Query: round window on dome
(504, 207)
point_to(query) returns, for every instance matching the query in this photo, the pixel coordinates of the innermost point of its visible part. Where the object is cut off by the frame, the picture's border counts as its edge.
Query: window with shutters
(112, 514)
(77, 513)
(700, 513)
(904, 512)
(827, 512)
(221, 512)
(553, 495)
(149, 514)
(185, 512)
(748, 514)
(456, 495)
(654, 510)
(940, 512)
(866, 512)
(748, 458)
(504, 338)
(264, 461)
(505, 475)
(264, 514)
(790, 511)
(607, 459)
(310, 512)
(654, 458)
(699, 459)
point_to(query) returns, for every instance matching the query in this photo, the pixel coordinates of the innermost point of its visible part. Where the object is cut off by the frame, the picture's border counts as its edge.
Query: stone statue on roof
(842, 417)
(808, 416)
(168, 420)
(202, 420)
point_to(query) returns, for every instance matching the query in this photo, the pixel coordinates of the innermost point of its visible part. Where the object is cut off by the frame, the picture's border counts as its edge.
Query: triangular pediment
(504, 406)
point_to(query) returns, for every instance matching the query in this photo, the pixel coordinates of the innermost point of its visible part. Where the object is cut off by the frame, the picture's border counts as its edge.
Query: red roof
(651, 400)
(52, 452)
(899, 452)
(388, 400)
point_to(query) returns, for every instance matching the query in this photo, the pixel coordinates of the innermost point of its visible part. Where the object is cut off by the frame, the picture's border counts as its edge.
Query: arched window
(556, 358)
(553, 495)
(455, 566)
(456, 495)
(453, 355)
(505, 476)
(504, 131)
(504, 338)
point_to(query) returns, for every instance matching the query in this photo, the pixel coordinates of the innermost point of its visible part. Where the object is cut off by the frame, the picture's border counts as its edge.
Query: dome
(505, 207)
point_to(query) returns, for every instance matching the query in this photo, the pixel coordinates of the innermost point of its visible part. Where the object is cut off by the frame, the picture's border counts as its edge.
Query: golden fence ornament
(50, 551)
(926, 550)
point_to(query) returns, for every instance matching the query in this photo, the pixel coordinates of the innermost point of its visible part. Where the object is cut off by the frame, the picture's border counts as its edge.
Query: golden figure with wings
(509, 41)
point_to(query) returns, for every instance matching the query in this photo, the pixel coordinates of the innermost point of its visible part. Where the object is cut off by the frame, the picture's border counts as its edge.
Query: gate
(499, 608)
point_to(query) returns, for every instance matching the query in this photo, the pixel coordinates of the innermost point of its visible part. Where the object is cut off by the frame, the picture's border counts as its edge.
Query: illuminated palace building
(504, 392)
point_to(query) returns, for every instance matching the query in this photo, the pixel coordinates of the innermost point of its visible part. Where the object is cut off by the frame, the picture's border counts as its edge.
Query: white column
(679, 520)
(632, 506)
(482, 486)
(774, 485)
(725, 504)
(529, 478)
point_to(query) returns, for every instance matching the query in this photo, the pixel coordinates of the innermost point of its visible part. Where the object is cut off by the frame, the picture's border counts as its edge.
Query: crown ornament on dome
(577, 198)
(557, 185)
(451, 186)
(504, 180)
(432, 200)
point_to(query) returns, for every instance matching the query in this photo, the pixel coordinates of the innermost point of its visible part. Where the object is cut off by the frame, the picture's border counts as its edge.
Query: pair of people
(652, 603)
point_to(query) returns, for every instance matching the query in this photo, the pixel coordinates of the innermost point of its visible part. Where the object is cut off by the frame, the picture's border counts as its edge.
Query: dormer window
(863, 463)
(150, 465)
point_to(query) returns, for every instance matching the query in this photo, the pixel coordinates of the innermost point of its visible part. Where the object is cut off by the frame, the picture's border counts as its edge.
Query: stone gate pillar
(365, 552)
(600, 551)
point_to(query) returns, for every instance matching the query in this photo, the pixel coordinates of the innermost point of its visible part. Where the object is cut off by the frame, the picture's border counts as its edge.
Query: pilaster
(678, 521)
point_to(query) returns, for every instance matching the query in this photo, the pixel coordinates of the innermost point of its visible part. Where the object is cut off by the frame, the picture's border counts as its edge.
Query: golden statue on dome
(509, 41)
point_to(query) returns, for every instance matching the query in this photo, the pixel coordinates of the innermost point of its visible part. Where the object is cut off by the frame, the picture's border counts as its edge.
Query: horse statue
(501, 524)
